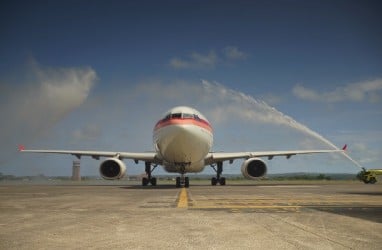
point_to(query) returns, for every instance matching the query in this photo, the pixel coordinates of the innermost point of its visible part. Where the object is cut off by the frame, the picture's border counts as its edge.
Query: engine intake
(253, 168)
(112, 169)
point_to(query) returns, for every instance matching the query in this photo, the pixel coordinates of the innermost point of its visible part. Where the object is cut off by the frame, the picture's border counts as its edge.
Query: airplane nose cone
(184, 143)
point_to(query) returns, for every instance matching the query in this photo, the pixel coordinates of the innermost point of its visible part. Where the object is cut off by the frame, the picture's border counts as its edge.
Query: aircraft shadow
(376, 193)
(149, 187)
(373, 214)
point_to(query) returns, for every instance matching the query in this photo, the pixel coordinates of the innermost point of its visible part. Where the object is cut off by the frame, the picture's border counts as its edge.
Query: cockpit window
(176, 115)
(181, 116)
(187, 116)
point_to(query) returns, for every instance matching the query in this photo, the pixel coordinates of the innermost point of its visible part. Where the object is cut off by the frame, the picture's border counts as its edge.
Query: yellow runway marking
(183, 199)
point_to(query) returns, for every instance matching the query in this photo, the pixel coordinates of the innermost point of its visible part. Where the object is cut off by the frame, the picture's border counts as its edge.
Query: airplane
(182, 141)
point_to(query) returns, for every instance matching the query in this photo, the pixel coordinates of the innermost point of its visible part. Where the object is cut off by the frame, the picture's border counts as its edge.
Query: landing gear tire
(186, 182)
(222, 181)
(372, 180)
(153, 181)
(177, 182)
(214, 181)
(145, 181)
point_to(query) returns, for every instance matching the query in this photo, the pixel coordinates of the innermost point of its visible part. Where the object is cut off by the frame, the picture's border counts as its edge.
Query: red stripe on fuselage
(183, 121)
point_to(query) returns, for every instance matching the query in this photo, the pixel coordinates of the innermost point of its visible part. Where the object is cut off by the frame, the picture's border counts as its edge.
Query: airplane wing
(145, 156)
(215, 157)
(211, 158)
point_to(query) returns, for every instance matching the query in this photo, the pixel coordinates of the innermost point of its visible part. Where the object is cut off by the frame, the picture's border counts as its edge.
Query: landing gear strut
(149, 178)
(182, 180)
(219, 170)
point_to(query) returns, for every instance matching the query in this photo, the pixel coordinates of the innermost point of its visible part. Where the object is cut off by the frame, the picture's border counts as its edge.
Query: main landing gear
(219, 170)
(149, 178)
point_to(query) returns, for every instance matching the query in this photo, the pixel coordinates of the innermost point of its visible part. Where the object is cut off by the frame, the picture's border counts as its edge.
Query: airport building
(76, 176)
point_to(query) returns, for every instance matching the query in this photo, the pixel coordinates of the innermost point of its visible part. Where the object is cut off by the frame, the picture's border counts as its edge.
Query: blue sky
(98, 74)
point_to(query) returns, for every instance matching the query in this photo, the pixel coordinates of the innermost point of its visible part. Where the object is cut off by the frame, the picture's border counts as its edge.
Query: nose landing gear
(182, 180)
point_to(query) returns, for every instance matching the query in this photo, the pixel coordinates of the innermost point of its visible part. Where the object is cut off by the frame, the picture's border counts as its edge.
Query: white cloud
(34, 106)
(233, 53)
(88, 132)
(355, 92)
(195, 61)
(209, 60)
(272, 99)
(305, 93)
(178, 63)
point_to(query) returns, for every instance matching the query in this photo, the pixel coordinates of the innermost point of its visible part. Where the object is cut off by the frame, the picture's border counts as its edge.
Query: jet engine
(253, 168)
(112, 169)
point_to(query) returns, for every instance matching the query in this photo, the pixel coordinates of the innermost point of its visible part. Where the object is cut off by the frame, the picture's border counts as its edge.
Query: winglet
(345, 147)
(21, 148)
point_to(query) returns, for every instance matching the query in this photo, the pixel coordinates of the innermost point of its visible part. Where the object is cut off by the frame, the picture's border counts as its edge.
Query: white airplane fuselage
(183, 138)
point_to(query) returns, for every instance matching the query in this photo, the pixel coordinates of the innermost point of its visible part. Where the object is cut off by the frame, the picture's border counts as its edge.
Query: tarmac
(125, 215)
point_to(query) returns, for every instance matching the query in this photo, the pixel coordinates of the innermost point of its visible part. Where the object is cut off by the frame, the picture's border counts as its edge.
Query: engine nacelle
(253, 168)
(112, 169)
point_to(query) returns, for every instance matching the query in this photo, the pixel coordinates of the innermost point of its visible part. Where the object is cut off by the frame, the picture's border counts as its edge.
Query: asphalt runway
(240, 216)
